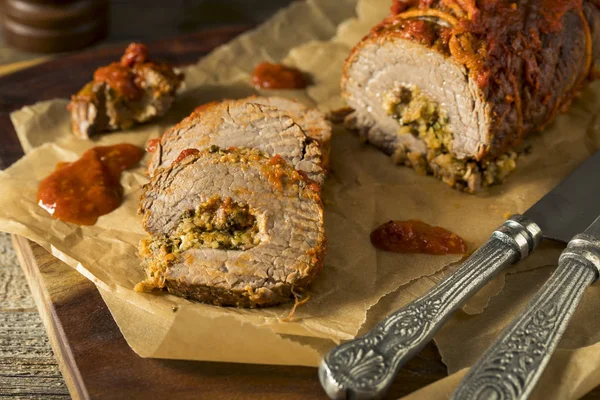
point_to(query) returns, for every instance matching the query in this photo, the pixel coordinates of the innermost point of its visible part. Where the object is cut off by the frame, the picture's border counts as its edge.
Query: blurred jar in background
(51, 26)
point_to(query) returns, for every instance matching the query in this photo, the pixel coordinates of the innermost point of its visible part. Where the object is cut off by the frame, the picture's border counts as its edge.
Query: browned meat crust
(511, 65)
(131, 91)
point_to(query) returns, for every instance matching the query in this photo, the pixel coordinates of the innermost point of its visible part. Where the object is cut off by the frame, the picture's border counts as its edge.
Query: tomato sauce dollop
(120, 76)
(415, 236)
(135, 53)
(278, 76)
(82, 191)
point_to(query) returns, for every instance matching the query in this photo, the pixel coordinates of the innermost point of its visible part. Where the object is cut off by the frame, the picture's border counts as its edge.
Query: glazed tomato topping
(120, 78)
(152, 145)
(186, 153)
(135, 53)
(120, 75)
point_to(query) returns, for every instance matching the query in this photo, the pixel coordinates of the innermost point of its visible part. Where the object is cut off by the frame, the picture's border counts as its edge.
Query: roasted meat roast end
(452, 91)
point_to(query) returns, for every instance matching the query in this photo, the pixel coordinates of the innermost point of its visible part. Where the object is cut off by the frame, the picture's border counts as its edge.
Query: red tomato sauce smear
(81, 191)
(415, 236)
(278, 76)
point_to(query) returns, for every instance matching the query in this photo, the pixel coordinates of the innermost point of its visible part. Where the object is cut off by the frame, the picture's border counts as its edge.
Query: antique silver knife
(365, 367)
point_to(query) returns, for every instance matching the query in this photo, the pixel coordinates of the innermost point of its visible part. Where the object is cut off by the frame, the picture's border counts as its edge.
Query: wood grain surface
(94, 358)
(28, 368)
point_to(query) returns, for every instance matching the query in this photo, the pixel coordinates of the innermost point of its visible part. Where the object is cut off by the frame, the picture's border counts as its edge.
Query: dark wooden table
(151, 20)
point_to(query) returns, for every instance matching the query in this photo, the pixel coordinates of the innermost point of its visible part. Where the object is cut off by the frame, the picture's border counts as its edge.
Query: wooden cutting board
(95, 360)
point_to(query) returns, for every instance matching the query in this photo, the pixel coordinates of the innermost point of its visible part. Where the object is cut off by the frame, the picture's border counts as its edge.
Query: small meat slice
(241, 123)
(311, 120)
(125, 93)
(288, 242)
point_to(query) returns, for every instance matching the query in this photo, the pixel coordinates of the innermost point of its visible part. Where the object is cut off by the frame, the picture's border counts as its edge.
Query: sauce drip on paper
(81, 191)
(417, 237)
(278, 76)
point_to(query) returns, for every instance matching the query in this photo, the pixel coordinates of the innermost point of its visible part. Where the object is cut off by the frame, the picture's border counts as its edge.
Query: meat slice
(231, 227)
(131, 91)
(311, 120)
(378, 73)
(452, 90)
(241, 123)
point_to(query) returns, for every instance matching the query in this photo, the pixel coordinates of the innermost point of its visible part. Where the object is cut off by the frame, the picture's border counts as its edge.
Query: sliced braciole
(132, 91)
(232, 227)
(311, 120)
(242, 123)
(451, 88)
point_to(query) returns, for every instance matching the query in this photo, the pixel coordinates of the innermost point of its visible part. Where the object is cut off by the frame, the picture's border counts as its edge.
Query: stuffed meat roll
(451, 87)
(232, 227)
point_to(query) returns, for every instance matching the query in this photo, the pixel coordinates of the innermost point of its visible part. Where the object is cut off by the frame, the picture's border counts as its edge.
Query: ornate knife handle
(511, 367)
(365, 367)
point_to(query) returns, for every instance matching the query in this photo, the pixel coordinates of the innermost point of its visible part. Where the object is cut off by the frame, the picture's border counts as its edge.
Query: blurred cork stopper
(51, 26)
